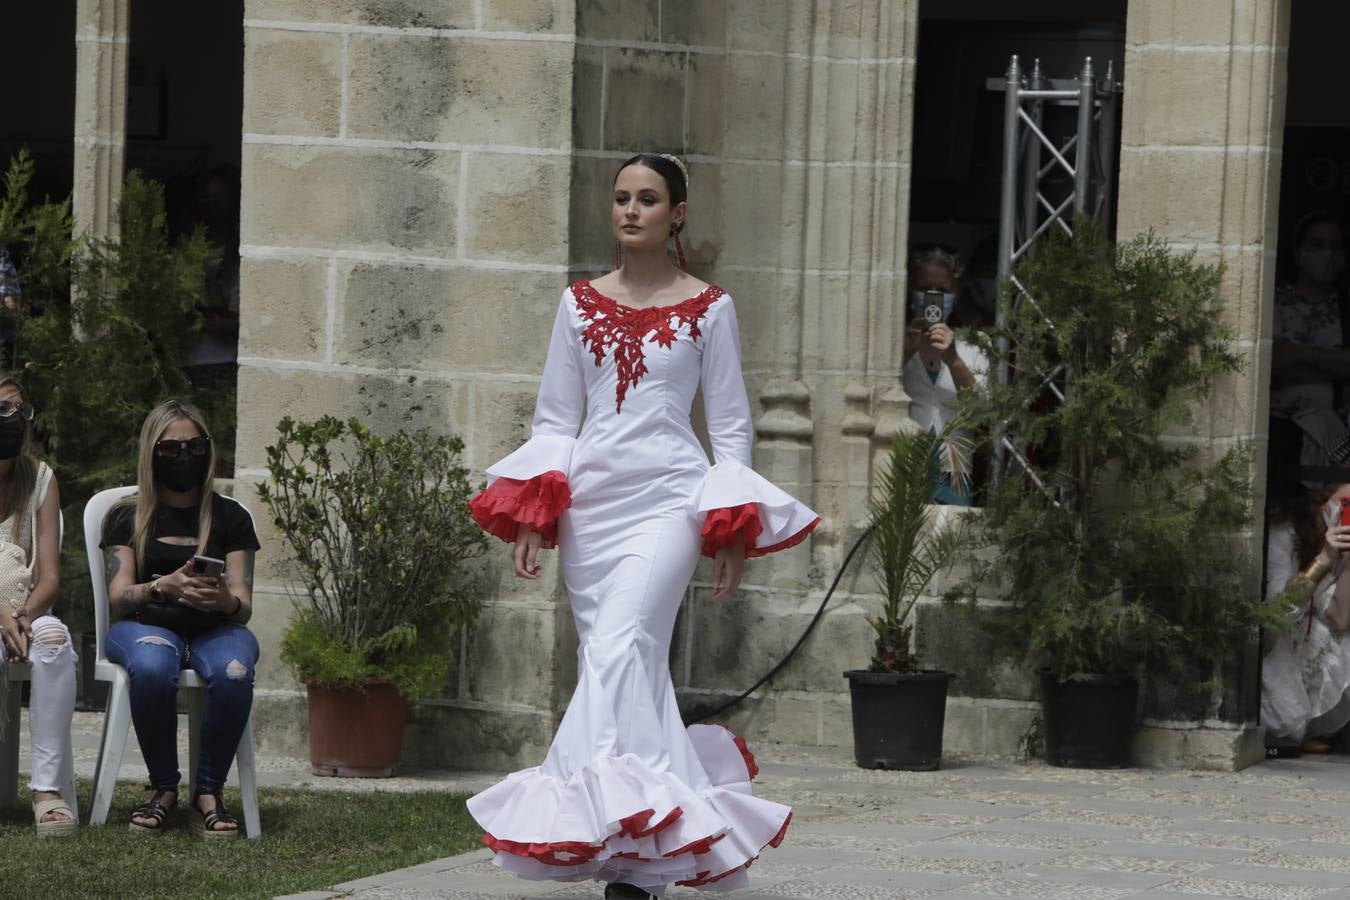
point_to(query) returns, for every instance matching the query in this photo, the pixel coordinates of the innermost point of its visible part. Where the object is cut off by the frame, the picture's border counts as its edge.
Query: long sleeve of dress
(734, 499)
(529, 487)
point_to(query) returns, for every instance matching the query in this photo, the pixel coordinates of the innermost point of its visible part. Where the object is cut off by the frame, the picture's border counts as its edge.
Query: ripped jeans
(224, 657)
(52, 701)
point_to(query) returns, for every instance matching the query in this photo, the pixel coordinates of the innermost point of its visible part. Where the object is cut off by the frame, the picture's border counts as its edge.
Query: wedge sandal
(55, 827)
(154, 808)
(204, 824)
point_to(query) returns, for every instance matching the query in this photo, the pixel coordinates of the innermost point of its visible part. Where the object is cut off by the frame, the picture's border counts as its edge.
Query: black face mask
(12, 431)
(182, 472)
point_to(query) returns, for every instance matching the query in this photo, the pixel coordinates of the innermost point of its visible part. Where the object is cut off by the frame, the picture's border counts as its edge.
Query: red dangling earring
(618, 254)
(679, 252)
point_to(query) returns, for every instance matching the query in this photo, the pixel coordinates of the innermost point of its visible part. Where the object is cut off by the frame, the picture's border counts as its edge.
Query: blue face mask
(918, 300)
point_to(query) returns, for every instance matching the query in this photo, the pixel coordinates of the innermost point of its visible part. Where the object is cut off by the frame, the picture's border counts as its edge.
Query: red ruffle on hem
(722, 526)
(706, 878)
(509, 503)
(751, 767)
(577, 853)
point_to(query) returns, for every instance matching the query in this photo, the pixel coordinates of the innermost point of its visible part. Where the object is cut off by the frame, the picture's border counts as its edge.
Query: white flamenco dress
(1305, 676)
(627, 793)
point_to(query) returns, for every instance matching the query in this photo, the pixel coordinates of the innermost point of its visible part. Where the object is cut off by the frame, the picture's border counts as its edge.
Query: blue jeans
(224, 657)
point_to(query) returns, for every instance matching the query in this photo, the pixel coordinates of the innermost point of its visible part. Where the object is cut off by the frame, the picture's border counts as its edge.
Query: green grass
(311, 840)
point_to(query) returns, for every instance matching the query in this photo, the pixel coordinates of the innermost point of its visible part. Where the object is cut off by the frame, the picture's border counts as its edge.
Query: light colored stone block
(590, 235)
(271, 613)
(281, 723)
(382, 13)
(510, 656)
(292, 82)
(770, 26)
(741, 638)
(450, 736)
(760, 229)
(644, 100)
(844, 27)
(283, 308)
(1250, 197)
(516, 208)
(381, 200)
(1161, 107)
(765, 303)
(1248, 303)
(587, 95)
(557, 16)
(963, 730)
(1007, 728)
(462, 91)
(1181, 22)
(459, 319)
(1177, 193)
(707, 99)
(384, 403)
(502, 416)
(696, 23)
(1213, 749)
(754, 107)
(618, 20)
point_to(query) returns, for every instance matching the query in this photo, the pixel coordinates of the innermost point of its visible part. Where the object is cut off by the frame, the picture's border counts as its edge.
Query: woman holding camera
(30, 529)
(936, 367)
(1305, 676)
(174, 607)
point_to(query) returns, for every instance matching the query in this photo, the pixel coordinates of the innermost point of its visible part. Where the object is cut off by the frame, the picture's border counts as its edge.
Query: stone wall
(1200, 164)
(421, 180)
(406, 191)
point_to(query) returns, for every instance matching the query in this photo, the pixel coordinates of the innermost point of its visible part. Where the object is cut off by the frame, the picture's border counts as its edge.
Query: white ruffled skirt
(627, 793)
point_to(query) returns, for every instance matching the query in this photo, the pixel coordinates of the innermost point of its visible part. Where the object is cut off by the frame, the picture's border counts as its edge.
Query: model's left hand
(208, 595)
(728, 566)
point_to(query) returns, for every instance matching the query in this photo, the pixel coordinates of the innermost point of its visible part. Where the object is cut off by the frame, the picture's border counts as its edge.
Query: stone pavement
(1005, 829)
(1279, 830)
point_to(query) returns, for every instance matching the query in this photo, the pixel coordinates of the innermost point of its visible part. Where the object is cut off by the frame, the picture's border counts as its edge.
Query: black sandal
(617, 890)
(204, 823)
(154, 808)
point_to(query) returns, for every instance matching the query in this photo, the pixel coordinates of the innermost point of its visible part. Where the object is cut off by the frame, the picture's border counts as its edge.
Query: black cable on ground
(815, 620)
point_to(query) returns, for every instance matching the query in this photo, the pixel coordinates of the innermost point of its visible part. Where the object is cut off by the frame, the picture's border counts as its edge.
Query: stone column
(102, 34)
(1200, 162)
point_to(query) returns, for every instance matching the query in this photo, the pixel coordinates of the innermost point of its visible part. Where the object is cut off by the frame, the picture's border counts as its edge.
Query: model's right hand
(527, 546)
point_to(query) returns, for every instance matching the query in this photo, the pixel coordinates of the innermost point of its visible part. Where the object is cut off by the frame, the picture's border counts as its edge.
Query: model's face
(641, 215)
(1323, 236)
(932, 277)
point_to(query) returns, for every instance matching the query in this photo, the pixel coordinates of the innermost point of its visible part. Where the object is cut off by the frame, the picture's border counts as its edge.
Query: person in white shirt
(938, 366)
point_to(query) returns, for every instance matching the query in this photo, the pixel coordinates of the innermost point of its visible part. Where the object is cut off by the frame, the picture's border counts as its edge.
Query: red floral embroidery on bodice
(625, 328)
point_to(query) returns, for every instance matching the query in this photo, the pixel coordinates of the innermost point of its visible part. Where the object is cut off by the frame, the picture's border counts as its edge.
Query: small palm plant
(913, 541)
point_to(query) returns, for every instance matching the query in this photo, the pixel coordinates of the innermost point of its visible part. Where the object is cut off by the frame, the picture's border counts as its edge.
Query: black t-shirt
(231, 530)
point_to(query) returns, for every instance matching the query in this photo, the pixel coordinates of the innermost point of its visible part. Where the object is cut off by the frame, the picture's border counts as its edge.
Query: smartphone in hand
(206, 567)
(1345, 511)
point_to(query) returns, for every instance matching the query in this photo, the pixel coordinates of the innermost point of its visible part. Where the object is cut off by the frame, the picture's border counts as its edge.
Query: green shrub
(1122, 558)
(380, 533)
(97, 342)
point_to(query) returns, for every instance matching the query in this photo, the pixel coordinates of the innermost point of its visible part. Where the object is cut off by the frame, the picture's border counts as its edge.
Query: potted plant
(1115, 551)
(898, 708)
(380, 533)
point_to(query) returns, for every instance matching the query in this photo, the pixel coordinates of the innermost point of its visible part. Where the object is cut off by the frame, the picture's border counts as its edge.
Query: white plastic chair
(16, 674)
(117, 721)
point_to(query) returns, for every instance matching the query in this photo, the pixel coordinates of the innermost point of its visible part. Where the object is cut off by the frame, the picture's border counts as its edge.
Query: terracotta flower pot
(355, 732)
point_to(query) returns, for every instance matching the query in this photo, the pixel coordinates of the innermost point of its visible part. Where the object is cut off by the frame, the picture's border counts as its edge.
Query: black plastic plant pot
(1089, 723)
(898, 719)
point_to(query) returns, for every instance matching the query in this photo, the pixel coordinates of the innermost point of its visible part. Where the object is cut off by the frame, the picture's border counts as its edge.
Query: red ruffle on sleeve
(722, 526)
(509, 503)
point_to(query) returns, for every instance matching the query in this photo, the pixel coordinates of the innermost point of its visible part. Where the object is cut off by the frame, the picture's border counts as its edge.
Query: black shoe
(619, 891)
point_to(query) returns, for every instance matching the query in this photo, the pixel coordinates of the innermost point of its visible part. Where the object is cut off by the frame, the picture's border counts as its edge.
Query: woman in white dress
(627, 795)
(1305, 676)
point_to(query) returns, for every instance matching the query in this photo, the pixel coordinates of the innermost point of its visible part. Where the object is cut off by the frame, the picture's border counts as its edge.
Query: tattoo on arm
(112, 564)
(125, 602)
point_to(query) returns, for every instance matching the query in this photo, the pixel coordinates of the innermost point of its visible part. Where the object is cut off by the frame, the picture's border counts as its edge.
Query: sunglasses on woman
(168, 448)
(10, 407)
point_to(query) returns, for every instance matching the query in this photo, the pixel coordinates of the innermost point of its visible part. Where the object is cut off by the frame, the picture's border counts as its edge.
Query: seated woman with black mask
(168, 615)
